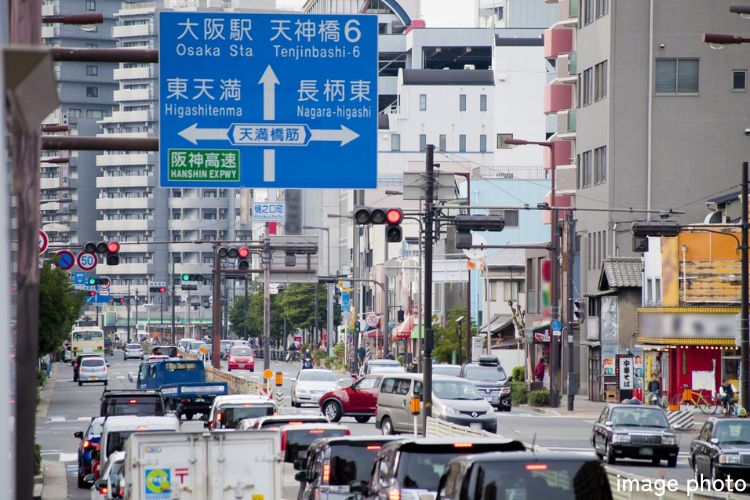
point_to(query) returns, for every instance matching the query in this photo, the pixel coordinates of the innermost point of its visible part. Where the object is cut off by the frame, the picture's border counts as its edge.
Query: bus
(87, 340)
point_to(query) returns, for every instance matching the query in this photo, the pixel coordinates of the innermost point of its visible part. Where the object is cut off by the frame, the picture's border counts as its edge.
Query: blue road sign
(345, 301)
(268, 100)
(80, 278)
(269, 212)
(101, 297)
(556, 325)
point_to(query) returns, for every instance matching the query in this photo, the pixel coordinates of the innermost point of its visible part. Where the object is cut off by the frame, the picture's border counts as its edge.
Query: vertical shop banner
(625, 375)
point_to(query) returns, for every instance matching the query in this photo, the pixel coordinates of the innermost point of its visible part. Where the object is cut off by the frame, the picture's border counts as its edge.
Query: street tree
(60, 305)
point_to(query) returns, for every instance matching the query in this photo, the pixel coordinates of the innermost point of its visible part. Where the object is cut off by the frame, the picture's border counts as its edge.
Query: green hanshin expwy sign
(204, 165)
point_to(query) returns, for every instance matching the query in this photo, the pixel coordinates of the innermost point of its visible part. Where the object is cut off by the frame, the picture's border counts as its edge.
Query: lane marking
(68, 457)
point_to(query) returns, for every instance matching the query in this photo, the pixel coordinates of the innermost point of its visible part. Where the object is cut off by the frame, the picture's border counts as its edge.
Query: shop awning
(687, 341)
(375, 333)
(540, 328)
(403, 330)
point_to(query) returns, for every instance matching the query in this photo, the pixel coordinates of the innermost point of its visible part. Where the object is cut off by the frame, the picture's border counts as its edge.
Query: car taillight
(534, 467)
(394, 494)
(373, 447)
(315, 431)
(184, 400)
(132, 401)
(86, 444)
(283, 441)
(326, 472)
(462, 445)
(99, 347)
(103, 490)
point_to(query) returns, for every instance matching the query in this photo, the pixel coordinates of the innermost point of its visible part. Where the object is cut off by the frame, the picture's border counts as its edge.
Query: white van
(184, 344)
(228, 411)
(117, 430)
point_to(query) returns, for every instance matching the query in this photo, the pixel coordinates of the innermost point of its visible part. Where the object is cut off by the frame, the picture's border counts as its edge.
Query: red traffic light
(243, 252)
(113, 247)
(162, 289)
(394, 216)
(92, 293)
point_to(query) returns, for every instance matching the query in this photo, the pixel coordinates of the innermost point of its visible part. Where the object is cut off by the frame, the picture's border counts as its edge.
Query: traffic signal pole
(570, 263)
(266, 264)
(429, 339)
(745, 296)
(216, 329)
(171, 277)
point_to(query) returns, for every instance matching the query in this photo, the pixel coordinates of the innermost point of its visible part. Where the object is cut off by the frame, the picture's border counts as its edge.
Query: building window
(501, 140)
(462, 143)
(585, 169)
(649, 292)
(90, 5)
(395, 142)
(482, 143)
(511, 218)
(92, 70)
(92, 91)
(422, 142)
(677, 76)
(96, 114)
(588, 11)
(589, 254)
(739, 79)
(602, 7)
(586, 87)
(443, 143)
(600, 165)
(422, 102)
(74, 112)
(462, 102)
(600, 81)
(92, 45)
(483, 102)
(657, 290)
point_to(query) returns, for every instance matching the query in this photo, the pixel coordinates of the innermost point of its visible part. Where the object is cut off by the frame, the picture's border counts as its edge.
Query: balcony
(50, 9)
(566, 69)
(193, 202)
(133, 95)
(190, 247)
(124, 181)
(142, 73)
(125, 203)
(129, 117)
(557, 41)
(125, 159)
(133, 30)
(557, 97)
(141, 268)
(52, 31)
(563, 153)
(189, 224)
(119, 225)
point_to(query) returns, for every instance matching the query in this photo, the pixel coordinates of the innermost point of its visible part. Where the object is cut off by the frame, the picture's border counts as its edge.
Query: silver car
(311, 384)
(93, 369)
(133, 351)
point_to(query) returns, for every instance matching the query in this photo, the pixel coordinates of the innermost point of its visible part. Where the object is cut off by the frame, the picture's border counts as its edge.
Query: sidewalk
(55, 480)
(45, 393)
(582, 408)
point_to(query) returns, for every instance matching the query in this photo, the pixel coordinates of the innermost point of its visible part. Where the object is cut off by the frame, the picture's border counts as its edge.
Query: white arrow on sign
(269, 82)
(269, 165)
(195, 134)
(344, 135)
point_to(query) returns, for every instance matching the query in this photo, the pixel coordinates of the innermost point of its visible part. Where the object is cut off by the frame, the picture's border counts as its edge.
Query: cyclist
(726, 392)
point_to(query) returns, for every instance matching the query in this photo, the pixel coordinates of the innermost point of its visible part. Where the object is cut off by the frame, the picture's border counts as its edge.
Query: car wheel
(610, 454)
(80, 383)
(696, 475)
(332, 411)
(229, 368)
(362, 419)
(672, 462)
(386, 426)
(81, 482)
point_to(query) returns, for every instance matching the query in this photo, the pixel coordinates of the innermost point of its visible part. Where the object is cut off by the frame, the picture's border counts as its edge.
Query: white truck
(203, 466)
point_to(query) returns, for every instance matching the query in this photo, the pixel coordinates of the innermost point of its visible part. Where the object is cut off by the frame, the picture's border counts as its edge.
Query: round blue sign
(64, 259)
(556, 325)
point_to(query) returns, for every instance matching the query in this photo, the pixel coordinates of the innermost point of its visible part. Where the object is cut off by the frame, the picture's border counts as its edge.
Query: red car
(241, 357)
(358, 400)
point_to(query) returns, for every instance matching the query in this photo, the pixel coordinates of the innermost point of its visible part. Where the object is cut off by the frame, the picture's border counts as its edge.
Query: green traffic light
(185, 277)
(92, 281)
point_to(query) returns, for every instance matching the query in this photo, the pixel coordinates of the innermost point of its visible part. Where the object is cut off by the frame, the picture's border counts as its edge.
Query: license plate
(475, 426)
(199, 400)
(647, 452)
(93, 378)
(489, 398)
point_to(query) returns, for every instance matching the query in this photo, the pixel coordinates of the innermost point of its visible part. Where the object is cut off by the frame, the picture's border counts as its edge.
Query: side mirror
(714, 440)
(107, 364)
(101, 486)
(131, 377)
(358, 487)
(88, 478)
(301, 476)
(78, 435)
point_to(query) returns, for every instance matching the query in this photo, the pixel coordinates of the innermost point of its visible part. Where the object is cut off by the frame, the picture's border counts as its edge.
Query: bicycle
(731, 407)
(696, 398)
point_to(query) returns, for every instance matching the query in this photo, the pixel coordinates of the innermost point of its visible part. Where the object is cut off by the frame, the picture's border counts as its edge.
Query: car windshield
(298, 440)
(638, 417)
(486, 373)
(95, 429)
(422, 470)
(538, 479)
(449, 389)
(451, 370)
(317, 376)
(233, 414)
(133, 346)
(734, 432)
(194, 346)
(140, 406)
(352, 462)
(92, 362)
(274, 422)
(241, 351)
(170, 351)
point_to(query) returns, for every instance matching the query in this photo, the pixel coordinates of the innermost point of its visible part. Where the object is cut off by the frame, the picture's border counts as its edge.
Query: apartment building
(651, 117)
(85, 90)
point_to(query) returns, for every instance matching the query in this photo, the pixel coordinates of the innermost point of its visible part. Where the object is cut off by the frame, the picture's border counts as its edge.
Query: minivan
(228, 411)
(454, 400)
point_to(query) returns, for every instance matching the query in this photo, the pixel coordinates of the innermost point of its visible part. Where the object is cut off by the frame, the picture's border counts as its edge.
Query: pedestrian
(539, 370)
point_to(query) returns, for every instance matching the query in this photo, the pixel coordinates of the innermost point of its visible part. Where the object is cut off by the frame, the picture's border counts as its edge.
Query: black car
(332, 464)
(136, 403)
(722, 449)
(411, 465)
(491, 381)
(528, 475)
(634, 431)
(88, 444)
(77, 364)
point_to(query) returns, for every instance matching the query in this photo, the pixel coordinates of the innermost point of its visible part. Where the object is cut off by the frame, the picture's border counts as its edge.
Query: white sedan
(109, 484)
(311, 384)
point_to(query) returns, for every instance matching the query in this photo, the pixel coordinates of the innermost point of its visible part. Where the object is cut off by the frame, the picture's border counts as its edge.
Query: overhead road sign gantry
(268, 100)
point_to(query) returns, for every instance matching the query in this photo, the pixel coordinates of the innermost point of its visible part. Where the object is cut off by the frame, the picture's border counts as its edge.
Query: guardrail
(624, 486)
(236, 385)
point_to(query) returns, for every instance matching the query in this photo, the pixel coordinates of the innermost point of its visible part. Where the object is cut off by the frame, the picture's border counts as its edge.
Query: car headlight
(302, 390)
(731, 458)
(621, 438)
(668, 440)
(448, 411)
(504, 390)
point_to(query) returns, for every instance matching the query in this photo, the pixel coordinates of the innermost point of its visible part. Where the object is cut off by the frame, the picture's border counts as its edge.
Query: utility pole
(129, 299)
(246, 308)
(386, 305)
(355, 289)
(266, 264)
(171, 277)
(570, 263)
(137, 298)
(216, 329)
(744, 313)
(429, 339)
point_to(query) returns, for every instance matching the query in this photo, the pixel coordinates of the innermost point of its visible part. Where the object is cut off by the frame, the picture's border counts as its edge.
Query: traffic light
(98, 281)
(467, 223)
(393, 232)
(110, 249)
(92, 293)
(157, 289)
(356, 326)
(365, 215)
(192, 277)
(118, 300)
(400, 316)
(241, 253)
(642, 230)
(578, 312)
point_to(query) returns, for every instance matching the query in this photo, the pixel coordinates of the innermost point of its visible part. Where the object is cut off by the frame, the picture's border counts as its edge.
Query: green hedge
(539, 398)
(518, 393)
(37, 459)
(518, 374)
